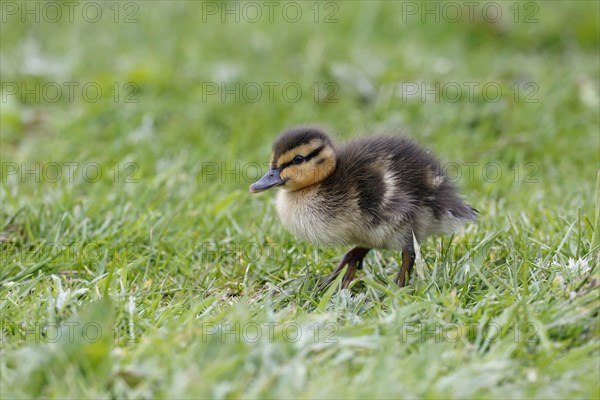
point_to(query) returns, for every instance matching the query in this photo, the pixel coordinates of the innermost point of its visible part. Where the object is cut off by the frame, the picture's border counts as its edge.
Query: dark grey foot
(354, 260)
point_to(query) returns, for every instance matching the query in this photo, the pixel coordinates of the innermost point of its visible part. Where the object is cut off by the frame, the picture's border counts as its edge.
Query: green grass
(164, 277)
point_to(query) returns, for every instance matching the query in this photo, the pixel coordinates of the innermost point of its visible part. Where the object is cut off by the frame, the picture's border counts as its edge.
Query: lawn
(135, 264)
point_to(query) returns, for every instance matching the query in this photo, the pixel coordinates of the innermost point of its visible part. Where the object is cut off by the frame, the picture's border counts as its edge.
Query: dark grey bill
(271, 179)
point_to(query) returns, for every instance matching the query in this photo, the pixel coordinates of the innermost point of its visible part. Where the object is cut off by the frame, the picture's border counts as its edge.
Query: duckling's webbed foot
(354, 259)
(408, 262)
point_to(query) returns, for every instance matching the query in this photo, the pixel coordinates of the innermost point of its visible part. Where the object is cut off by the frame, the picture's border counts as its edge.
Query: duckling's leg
(408, 262)
(354, 259)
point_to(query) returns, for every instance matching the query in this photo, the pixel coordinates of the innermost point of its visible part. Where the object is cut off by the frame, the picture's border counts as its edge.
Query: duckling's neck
(326, 165)
(300, 212)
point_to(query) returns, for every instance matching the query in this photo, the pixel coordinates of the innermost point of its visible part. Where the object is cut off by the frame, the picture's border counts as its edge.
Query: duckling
(371, 193)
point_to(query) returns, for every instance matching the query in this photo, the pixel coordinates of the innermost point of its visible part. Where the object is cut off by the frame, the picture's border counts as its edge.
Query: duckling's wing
(394, 174)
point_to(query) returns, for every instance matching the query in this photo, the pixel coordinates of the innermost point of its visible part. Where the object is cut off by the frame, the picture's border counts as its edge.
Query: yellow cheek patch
(290, 173)
(299, 176)
(310, 173)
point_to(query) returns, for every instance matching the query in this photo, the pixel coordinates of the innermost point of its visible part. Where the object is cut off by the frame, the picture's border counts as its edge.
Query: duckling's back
(397, 185)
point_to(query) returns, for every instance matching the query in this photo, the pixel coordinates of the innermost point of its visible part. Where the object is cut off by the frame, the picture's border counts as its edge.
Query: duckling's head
(302, 157)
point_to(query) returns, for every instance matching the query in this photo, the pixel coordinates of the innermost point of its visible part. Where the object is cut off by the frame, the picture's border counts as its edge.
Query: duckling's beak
(271, 179)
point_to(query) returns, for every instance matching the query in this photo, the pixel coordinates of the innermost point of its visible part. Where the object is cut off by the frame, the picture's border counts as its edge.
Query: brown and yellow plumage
(372, 192)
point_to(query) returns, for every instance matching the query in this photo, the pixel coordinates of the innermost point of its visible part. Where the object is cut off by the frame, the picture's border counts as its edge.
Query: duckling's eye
(298, 159)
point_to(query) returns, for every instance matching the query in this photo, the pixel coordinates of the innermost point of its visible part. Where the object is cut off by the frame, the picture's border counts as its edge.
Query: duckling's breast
(319, 216)
(311, 217)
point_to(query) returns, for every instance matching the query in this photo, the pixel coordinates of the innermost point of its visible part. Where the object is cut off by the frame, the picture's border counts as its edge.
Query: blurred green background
(135, 128)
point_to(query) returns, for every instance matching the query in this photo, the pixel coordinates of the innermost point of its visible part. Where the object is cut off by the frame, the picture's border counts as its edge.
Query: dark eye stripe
(314, 153)
(310, 155)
